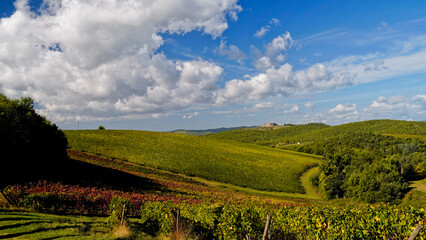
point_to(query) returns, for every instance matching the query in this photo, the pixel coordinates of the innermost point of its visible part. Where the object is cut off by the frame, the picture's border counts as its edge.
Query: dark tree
(31, 147)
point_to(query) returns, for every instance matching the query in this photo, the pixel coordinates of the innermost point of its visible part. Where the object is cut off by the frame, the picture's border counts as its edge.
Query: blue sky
(161, 65)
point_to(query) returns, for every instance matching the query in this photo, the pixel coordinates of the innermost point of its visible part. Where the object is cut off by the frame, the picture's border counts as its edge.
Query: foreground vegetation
(223, 161)
(220, 219)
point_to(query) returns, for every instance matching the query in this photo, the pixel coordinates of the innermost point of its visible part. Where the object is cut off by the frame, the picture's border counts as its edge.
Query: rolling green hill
(235, 163)
(315, 132)
(371, 161)
(269, 136)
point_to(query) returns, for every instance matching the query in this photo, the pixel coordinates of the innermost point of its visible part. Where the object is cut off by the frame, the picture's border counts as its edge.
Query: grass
(243, 165)
(22, 225)
(16, 224)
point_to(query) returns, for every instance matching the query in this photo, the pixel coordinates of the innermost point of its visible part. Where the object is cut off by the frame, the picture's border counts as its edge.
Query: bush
(117, 206)
(31, 145)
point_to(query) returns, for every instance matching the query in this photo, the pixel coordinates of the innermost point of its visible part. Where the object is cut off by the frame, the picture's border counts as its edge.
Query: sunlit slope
(316, 132)
(235, 163)
(270, 137)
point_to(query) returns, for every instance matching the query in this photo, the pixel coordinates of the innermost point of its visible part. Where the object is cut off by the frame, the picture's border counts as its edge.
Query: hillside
(235, 163)
(206, 131)
(271, 136)
(370, 161)
(314, 132)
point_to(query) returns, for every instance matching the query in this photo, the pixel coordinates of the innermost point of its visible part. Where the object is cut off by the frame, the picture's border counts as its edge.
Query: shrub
(118, 211)
(31, 145)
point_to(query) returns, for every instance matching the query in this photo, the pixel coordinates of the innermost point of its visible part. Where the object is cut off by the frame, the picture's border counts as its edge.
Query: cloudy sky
(196, 64)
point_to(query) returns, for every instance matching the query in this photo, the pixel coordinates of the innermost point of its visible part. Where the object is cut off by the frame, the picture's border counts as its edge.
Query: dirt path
(305, 179)
(418, 185)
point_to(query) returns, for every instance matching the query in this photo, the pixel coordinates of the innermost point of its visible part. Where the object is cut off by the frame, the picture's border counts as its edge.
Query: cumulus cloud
(343, 108)
(283, 81)
(291, 108)
(274, 50)
(231, 51)
(393, 107)
(402, 106)
(278, 44)
(98, 59)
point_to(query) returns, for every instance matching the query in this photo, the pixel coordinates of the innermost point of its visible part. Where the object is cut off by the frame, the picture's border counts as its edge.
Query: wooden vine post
(122, 215)
(415, 232)
(266, 231)
(177, 222)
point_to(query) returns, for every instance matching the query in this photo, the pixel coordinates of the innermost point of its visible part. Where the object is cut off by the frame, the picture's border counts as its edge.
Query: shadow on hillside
(74, 172)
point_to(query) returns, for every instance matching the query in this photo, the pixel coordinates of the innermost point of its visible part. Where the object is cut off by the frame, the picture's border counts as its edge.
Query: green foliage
(239, 164)
(116, 207)
(101, 127)
(308, 222)
(30, 144)
(157, 217)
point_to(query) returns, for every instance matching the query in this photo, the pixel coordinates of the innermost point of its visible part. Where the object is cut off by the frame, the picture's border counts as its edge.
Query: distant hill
(270, 136)
(207, 131)
(314, 132)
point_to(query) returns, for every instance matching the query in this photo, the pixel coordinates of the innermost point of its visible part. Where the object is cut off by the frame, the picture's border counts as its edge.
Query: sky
(162, 65)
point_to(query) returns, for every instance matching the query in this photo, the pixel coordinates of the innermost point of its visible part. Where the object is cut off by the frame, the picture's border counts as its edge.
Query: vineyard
(212, 218)
(238, 164)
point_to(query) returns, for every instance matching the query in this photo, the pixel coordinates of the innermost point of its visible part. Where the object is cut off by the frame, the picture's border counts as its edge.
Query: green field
(238, 164)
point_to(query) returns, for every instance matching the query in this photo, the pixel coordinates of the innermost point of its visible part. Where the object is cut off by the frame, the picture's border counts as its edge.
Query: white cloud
(279, 44)
(393, 107)
(401, 106)
(343, 108)
(263, 63)
(98, 59)
(231, 51)
(310, 105)
(264, 105)
(265, 29)
(262, 31)
(191, 115)
(293, 108)
(273, 55)
(275, 22)
(282, 81)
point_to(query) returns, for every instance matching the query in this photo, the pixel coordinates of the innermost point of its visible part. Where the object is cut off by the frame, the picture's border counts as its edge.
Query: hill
(235, 163)
(370, 161)
(271, 136)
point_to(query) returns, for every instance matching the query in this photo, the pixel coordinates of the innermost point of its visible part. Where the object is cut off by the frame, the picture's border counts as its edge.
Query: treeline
(368, 167)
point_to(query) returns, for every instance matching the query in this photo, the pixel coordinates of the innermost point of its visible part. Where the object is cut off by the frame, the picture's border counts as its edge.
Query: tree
(101, 127)
(30, 146)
